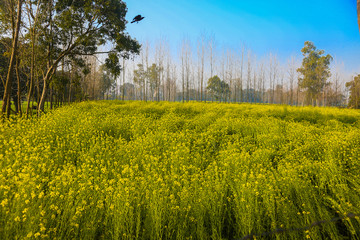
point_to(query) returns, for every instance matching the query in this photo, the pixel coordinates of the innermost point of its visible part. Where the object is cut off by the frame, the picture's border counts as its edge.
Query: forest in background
(158, 74)
(53, 52)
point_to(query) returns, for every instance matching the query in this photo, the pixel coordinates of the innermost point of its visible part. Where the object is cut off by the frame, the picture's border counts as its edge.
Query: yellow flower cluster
(115, 170)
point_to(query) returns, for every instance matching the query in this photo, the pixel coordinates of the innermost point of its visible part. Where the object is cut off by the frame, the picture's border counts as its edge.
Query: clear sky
(277, 26)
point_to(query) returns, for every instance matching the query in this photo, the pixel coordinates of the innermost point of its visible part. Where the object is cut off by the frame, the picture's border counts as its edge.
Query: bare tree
(212, 49)
(185, 68)
(262, 82)
(174, 82)
(292, 74)
(240, 79)
(273, 72)
(167, 83)
(146, 50)
(229, 71)
(248, 76)
(201, 64)
(183, 62)
(159, 58)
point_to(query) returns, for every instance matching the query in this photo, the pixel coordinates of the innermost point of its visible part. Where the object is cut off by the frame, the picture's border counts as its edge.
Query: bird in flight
(137, 19)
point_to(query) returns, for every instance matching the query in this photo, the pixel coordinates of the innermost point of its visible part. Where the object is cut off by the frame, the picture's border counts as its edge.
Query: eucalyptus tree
(292, 76)
(314, 71)
(218, 88)
(168, 78)
(201, 64)
(160, 51)
(185, 68)
(248, 76)
(78, 28)
(212, 58)
(153, 74)
(13, 12)
(229, 71)
(262, 82)
(139, 79)
(354, 87)
(240, 77)
(273, 74)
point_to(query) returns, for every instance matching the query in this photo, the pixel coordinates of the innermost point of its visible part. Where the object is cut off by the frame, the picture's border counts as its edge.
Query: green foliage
(107, 79)
(112, 63)
(314, 70)
(116, 170)
(354, 87)
(218, 88)
(153, 74)
(4, 65)
(58, 32)
(140, 75)
(84, 25)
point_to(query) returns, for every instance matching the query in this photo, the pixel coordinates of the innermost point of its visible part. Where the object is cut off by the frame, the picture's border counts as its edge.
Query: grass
(24, 107)
(115, 170)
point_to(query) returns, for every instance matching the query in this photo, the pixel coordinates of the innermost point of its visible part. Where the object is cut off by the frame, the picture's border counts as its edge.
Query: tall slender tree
(9, 78)
(201, 64)
(314, 71)
(354, 87)
(77, 28)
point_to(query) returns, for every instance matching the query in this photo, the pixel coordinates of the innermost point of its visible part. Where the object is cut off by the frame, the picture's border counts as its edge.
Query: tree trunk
(9, 77)
(51, 98)
(49, 74)
(123, 83)
(69, 99)
(19, 88)
(42, 99)
(32, 64)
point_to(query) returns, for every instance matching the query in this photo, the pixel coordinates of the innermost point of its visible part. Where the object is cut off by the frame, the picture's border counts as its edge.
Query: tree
(211, 55)
(107, 80)
(292, 75)
(185, 68)
(239, 79)
(229, 71)
(13, 56)
(55, 33)
(201, 55)
(219, 89)
(314, 71)
(354, 87)
(153, 74)
(140, 78)
(78, 28)
(273, 74)
(4, 60)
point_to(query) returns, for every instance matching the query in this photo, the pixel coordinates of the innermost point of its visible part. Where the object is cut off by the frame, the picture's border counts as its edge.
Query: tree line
(51, 52)
(203, 72)
(45, 45)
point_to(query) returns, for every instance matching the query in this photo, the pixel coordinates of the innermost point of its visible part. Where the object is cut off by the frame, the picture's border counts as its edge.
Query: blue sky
(277, 26)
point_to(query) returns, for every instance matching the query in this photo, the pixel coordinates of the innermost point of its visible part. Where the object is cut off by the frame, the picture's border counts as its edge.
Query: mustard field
(135, 170)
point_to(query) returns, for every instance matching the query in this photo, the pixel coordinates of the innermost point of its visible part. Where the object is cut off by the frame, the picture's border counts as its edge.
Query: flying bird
(137, 19)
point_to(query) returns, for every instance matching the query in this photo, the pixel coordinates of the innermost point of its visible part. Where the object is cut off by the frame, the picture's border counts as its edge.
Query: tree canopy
(354, 87)
(314, 71)
(58, 32)
(218, 88)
